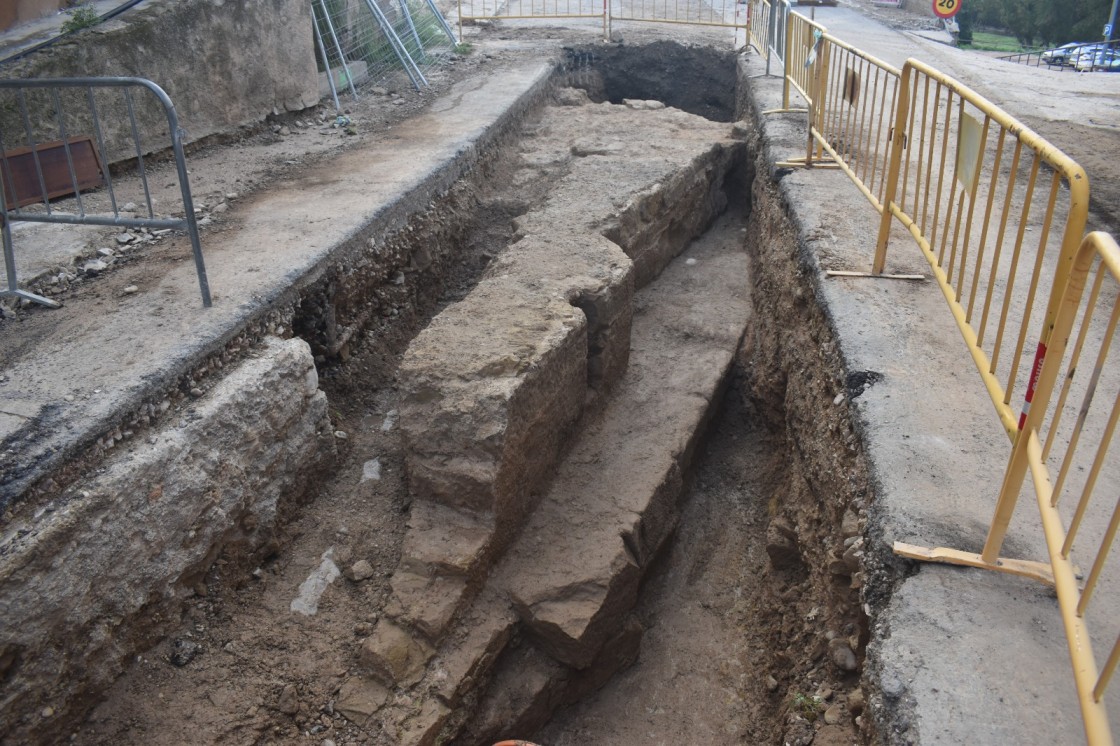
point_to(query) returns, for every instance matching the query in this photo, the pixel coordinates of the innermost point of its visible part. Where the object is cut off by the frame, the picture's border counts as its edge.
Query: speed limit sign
(946, 8)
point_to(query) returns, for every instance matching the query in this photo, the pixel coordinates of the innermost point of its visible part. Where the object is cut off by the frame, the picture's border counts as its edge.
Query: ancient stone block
(394, 656)
(422, 729)
(426, 603)
(359, 698)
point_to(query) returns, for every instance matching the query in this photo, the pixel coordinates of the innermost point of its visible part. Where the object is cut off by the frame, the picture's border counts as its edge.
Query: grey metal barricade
(34, 171)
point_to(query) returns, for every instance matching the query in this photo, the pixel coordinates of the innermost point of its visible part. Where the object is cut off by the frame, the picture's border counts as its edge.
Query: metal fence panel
(852, 115)
(366, 42)
(725, 13)
(73, 120)
(992, 205)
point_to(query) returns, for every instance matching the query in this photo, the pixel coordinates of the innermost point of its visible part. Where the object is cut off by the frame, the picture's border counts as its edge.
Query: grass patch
(987, 41)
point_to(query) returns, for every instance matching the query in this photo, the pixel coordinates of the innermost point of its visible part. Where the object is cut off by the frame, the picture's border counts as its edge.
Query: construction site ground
(955, 656)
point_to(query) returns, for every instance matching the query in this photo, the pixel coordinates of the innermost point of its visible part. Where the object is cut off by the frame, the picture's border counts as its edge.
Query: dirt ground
(244, 669)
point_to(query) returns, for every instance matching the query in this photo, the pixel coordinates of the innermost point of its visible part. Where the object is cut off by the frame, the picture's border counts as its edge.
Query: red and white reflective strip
(1032, 384)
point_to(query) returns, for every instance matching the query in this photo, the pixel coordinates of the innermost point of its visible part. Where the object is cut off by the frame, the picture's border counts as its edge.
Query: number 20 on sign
(946, 8)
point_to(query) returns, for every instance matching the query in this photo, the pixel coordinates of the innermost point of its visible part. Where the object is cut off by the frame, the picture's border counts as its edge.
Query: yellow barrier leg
(898, 145)
(1008, 497)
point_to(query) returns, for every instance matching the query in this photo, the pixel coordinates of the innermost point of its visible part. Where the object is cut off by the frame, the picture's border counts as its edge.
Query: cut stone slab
(423, 728)
(652, 196)
(494, 387)
(465, 661)
(359, 698)
(527, 687)
(443, 545)
(590, 273)
(574, 571)
(489, 385)
(394, 656)
(426, 603)
(494, 378)
(443, 538)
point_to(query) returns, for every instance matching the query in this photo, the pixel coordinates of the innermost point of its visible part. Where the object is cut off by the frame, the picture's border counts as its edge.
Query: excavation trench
(592, 480)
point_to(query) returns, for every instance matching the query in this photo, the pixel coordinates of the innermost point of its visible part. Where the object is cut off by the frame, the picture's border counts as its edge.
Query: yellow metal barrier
(758, 24)
(1048, 438)
(852, 114)
(999, 214)
(802, 39)
(981, 195)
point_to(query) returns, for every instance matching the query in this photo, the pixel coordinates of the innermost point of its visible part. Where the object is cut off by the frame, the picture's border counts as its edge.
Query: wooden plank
(21, 179)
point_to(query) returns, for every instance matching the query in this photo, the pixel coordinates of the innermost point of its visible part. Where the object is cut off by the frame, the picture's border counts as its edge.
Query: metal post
(787, 62)
(177, 137)
(326, 58)
(1112, 22)
(10, 260)
(407, 62)
(898, 145)
(443, 21)
(412, 27)
(341, 54)
(771, 29)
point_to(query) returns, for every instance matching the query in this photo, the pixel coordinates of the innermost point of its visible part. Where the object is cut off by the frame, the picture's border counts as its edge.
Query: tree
(1027, 19)
(966, 20)
(1047, 21)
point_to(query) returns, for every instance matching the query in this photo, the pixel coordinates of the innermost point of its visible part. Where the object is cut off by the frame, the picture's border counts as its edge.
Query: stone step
(573, 573)
(441, 550)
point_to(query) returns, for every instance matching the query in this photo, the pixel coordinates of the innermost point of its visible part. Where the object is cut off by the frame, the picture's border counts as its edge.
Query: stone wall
(224, 65)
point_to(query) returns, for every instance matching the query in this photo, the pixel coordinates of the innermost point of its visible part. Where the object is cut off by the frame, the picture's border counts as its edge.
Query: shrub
(81, 16)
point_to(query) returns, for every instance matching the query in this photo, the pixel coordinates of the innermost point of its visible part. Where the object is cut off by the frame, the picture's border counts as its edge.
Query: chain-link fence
(366, 42)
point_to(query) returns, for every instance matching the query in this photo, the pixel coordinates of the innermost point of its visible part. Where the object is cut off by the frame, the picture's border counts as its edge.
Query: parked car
(1082, 59)
(1100, 58)
(1107, 61)
(1060, 55)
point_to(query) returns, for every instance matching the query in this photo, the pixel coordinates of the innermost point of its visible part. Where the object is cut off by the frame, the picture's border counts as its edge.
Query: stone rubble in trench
(498, 548)
(493, 620)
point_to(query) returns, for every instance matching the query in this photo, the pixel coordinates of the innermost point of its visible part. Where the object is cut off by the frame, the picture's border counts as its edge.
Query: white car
(1101, 57)
(1061, 55)
(1082, 59)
